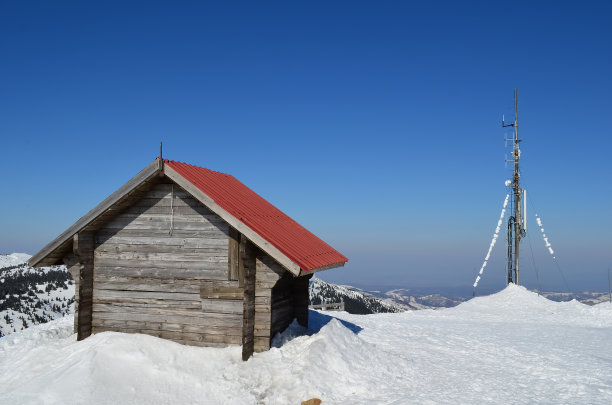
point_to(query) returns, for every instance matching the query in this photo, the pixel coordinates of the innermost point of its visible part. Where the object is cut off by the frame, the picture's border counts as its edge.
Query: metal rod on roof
(160, 151)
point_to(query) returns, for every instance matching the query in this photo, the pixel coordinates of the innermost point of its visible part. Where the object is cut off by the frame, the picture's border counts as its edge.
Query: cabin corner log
(83, 250)
(247, 267)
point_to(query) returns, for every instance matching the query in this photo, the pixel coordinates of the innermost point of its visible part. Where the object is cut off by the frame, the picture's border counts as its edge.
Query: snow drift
(510, 347)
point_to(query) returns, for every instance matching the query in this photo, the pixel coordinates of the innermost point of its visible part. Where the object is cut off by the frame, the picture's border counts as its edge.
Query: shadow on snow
(317, 320)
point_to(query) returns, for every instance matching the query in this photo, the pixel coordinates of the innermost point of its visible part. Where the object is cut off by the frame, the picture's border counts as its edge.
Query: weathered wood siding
(152, 262)
(282, 305)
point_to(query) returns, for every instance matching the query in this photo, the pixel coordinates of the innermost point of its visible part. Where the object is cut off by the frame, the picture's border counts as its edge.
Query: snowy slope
(511, 347)
(31, 296)
(422, 301)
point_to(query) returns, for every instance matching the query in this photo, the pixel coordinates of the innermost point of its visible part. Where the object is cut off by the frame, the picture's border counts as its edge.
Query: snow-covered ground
(513, 347)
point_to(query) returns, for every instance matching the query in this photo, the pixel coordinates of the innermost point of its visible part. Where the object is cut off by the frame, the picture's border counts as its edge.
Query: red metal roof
(293, 240)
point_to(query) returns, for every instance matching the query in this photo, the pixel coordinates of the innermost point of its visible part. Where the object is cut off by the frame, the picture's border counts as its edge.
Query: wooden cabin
(191, 255)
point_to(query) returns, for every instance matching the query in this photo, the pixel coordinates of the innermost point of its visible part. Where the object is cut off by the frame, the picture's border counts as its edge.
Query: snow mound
(110, 368)
(517, 304)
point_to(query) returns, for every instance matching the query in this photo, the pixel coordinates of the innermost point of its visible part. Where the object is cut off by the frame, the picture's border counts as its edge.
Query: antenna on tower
(516, 223)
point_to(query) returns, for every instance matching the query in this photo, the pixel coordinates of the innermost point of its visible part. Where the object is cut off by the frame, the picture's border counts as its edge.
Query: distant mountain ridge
(13, 259)
(356, 301)
(362, 301)
(426, 301)
(586, 297)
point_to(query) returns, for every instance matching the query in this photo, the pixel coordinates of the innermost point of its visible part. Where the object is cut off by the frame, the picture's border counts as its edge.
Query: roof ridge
(196, 166)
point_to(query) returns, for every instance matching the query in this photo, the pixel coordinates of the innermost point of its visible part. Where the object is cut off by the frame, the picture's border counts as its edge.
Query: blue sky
(375, 125)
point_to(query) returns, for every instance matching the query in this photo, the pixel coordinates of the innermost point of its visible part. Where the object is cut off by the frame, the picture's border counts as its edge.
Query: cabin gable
(149, 264)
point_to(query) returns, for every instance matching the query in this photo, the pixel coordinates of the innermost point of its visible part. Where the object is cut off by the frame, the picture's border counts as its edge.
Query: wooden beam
(146, 174)
(233, 256)
(253, 236)
(226, 293)
(248, 263)
(83, 246)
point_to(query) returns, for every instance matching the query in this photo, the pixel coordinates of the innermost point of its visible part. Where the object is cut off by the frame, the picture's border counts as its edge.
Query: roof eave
(322, 268)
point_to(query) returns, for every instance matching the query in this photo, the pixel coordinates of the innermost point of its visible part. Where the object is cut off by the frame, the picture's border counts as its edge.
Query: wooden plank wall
(151, 263)
(282, 305)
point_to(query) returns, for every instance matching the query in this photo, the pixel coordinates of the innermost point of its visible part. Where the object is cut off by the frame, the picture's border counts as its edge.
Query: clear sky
(376, 125)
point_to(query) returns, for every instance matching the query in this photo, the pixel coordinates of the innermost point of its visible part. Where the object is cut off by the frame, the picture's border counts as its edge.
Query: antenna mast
(516, 221)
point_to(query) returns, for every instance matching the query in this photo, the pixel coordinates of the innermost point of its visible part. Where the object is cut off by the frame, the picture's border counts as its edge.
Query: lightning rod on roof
(160, 151)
